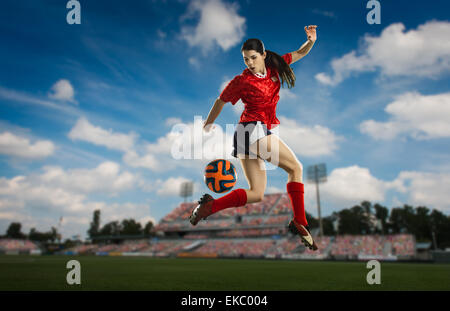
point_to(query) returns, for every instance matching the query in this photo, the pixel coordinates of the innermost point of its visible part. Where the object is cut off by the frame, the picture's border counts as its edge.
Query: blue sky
(87, 111)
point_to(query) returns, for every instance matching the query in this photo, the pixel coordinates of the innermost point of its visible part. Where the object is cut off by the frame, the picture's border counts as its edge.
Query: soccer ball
(220, 176)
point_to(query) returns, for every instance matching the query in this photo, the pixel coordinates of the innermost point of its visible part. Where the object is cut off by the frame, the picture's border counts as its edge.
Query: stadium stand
(16, 245)
(82, 249)
(402, 244)
(373, 246)
(237, 248)
(256, 230)
(283, 206)
(195, 236)
(131, 246)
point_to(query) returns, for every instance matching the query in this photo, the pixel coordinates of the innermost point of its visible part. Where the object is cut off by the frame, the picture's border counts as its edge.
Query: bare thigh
(274, 150)
(255, 172)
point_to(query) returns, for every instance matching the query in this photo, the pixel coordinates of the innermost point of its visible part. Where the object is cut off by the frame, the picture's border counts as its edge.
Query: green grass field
(142, 273)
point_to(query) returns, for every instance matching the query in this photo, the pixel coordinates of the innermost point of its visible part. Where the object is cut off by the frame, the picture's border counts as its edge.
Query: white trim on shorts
(259, 131)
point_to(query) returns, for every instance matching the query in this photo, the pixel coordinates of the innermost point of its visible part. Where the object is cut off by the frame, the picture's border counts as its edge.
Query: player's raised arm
(213, 114)
(306, 47)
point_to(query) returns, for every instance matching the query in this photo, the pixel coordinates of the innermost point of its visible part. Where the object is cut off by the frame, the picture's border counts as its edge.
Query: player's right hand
(209, 127)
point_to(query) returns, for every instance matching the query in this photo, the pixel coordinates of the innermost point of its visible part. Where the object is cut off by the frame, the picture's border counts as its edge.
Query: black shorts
(246, 134)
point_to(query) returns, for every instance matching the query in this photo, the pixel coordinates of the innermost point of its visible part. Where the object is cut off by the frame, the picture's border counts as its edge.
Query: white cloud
(63, 90)
(424, 52)
(38, 199)
(105, 178)
(186, 145)
(13, 145)
(426, 189)
(172, 121)
(420, 116)
(194, 62)
(287, 94)
(325, 13)
(171, 187)
(85, 131)
(161, 34)
(351, 185)
(21, 98)
(148, 161)
(272, 189)
(308, 141)
(219, 24)
(68, 188)
(119, 212)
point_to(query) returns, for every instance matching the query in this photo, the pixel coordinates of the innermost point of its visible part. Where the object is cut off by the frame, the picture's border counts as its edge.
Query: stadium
(256, 230)
(110, 112)
(252, 240)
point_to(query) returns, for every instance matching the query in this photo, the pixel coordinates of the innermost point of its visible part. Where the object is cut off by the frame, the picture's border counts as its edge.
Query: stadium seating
(194, 236)
(11, 245)
(283, 206)
(373, 245)
(83, 249)
(237, 248)
(402, 244)
(254, 230)
(132, 246)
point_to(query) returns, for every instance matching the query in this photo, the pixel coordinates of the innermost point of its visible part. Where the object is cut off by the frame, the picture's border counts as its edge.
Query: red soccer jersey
(259, 95)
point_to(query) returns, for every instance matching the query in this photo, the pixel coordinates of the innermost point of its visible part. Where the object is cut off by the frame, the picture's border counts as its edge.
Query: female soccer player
(258, 86)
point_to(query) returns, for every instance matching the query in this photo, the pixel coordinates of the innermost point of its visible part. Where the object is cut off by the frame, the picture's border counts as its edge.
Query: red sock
(296, 194)
(235, 198)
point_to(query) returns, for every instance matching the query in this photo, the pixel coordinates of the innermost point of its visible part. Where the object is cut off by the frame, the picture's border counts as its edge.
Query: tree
(94, 229)
(14, 231)
(53, 234)
(35, 235)
(111, 228)
(440, 225)
(422, 224)
(381, 213)
(354, 221)
(312, 222)
(402, 219)
(367, 206)
(148, 228)
(327, 223)
(131, 227)
(49, 236)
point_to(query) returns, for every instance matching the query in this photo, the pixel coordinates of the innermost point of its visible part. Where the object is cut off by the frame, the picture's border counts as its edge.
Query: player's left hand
(311, 32)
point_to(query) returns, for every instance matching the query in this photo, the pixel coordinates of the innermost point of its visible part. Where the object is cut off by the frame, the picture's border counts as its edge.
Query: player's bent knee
(256, 197)
(294, 168)
(298, 168)
(261, 197)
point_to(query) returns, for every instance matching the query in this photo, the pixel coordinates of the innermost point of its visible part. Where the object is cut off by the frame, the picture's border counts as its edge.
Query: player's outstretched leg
(299, 224)
(282, 156)
(207, 205)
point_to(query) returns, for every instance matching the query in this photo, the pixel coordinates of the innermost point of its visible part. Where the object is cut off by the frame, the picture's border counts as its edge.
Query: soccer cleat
(304, 234)
(202, 210)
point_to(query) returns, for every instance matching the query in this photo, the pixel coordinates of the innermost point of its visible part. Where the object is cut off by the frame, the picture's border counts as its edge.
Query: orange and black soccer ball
(220, 176)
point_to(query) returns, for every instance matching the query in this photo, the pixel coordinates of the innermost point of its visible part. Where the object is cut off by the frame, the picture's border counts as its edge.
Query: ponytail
(274, 60)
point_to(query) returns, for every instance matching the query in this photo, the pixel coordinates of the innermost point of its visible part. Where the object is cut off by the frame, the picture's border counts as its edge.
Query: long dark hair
(272, 60)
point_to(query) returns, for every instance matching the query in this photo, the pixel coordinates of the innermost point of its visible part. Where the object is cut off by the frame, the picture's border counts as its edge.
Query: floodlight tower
(59, 229)
(186, 189)
(317, 174)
